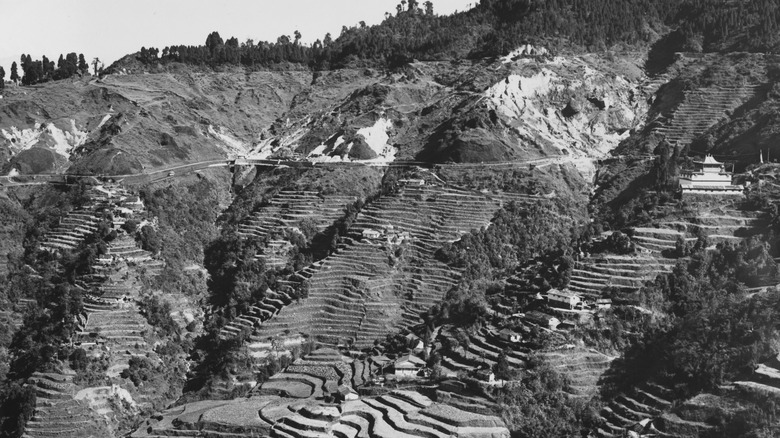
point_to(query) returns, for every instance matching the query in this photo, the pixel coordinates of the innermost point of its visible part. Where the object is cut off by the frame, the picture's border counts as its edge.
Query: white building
(711, 178)
(407, 367)
(369, 233)
(563, 298)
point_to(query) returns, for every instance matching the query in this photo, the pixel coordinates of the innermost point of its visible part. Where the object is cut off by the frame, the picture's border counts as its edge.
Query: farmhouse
(510, 335)
(543, 319)
(369, 233)
(486, 376)
(408, 366)
(346, 393)
(415, 343)
(564, 298)
(710, 178)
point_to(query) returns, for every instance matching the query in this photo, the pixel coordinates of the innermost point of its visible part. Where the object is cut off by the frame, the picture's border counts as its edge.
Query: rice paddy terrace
(58, 413)
(105, 202)
(653, 403)
(395, 414)
(582, 366)
(298, 402)
(725, 222)
(289, 208)
(383, 274)
(112, 324)
(701, 109)
(111, 327)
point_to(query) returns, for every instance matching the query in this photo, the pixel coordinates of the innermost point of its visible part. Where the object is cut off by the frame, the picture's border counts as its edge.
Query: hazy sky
(110, 29)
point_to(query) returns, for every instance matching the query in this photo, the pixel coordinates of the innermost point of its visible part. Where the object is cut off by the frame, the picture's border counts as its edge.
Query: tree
(502, 368)
(14, 73)
(328, 40)
(297, 37)
(95, 63)
(2, 78)
(82, 65)
(428, 8)
(213, 41)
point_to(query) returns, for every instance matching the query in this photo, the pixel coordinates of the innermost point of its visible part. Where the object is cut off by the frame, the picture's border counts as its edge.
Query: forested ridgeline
(495, 27)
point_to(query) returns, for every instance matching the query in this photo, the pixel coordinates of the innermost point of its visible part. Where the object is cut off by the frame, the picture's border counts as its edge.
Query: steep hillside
(124, 124)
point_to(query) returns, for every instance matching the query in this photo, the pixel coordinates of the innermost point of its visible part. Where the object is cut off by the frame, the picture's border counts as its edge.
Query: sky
(110, 29)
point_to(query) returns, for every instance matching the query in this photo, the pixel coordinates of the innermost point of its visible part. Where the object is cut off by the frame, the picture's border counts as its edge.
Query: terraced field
(583, 368)
(80, 223)
(395, 414)
(372, 286)
(719, 224)
(765, 379)
(483, 348)
(289, 208)
(701, 109)
(594, 273)
(651, 402)
(57, 413)
(317, 375)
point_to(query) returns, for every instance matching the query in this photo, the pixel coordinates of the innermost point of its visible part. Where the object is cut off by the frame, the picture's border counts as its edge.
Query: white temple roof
(709, 159)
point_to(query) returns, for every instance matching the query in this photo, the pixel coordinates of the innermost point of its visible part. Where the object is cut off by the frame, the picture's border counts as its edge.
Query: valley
(495, 238)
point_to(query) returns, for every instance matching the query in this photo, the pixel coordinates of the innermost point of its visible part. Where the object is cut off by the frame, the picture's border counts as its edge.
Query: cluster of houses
(388, 234)
(566, 299)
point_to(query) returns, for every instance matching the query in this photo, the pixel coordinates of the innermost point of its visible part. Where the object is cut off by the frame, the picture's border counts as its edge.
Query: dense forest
(44, 70)
(495, 27)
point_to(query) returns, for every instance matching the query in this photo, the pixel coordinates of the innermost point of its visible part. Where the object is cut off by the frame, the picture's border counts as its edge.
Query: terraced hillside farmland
(57, 413)
(384, 274)
(765, 379)
(395, 414)
(725, 222)
(657, 246)
(700, 110)
(318, 375)
(628, 273)
(106, 203)
(289, 208)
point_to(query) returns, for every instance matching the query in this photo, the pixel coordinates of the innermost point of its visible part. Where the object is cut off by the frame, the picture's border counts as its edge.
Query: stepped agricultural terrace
(289, 208)
(394, 414)
(656, 244)
(483, 348)
(317, 375)
(700, 110)
(592, 274)
(104, 201)
(652, 404)
(57, 414)
(383, 274)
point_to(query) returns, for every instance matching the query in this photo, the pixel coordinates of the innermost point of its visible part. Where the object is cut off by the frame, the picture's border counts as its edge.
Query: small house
(381, 361)
(543, 320)
(407, 367)
(563, 298)
(412, 181)
(603, 303)
(486, 376)
(509, 335)
(415, 343)
(346, 393)
(369, 233)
